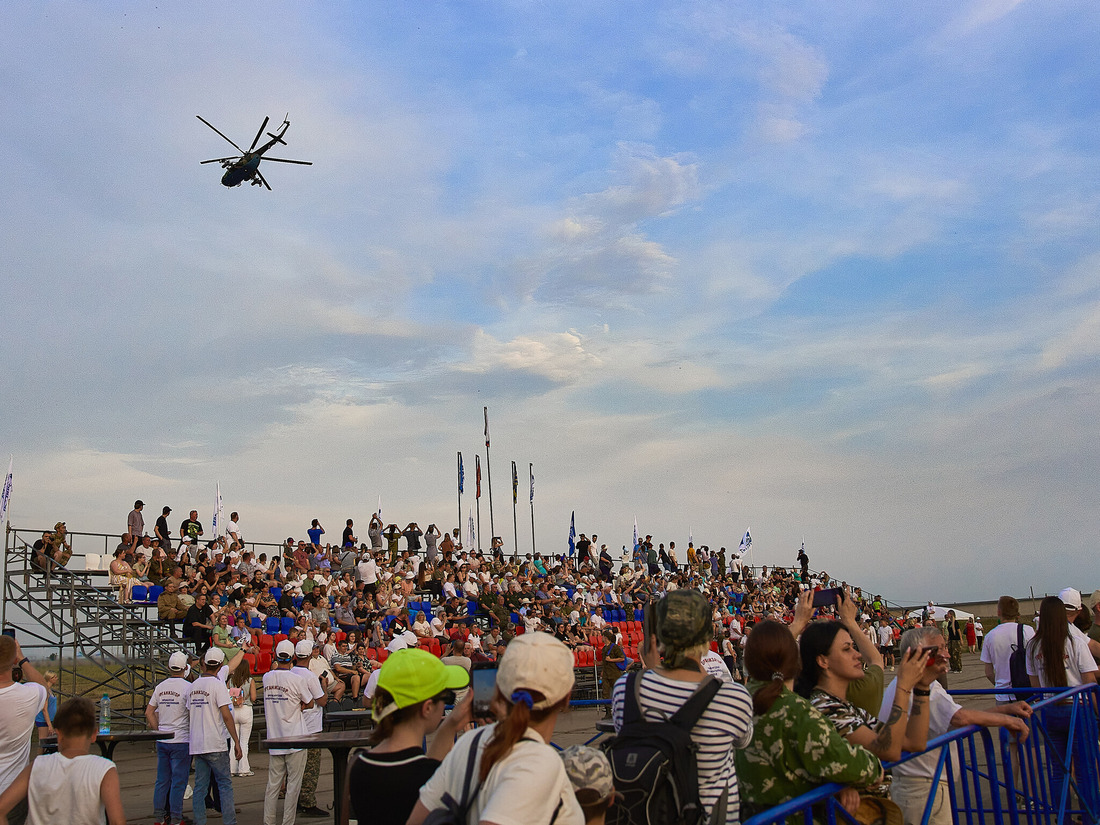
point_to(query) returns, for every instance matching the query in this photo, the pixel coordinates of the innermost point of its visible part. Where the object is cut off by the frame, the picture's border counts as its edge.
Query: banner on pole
(531, 467)
(6, 496)
(486, 427)
(572, 533)
(515, 484)
(477, 474)
(472, 532)
(461, 474)
(746, 543)
(218, 514)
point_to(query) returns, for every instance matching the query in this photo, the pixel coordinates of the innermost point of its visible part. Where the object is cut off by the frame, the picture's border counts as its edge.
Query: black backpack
(653, 763)
(1017, 666)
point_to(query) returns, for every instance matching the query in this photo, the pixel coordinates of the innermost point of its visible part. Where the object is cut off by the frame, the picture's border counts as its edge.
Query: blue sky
(825, 270)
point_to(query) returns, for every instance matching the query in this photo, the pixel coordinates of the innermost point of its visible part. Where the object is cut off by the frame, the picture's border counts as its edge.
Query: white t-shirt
(1077, 659)
(942, 709)
(526, 786)
(207, 697)
(714, 665)
(372, 684)
(367, 570)
(314, 717)
(284, 694)
(169, 700)
(999, 645)
(19, 704)
(67, 790)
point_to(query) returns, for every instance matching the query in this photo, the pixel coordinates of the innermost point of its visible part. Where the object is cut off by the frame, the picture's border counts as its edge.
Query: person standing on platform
(211, 723)
(314, 722)
(19, 705)
(135, 524)
(286, 698)
(161, 530)
(167, 710)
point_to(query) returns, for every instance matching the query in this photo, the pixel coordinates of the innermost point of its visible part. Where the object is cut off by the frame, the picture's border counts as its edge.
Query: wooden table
(339, 743)
(108, 741)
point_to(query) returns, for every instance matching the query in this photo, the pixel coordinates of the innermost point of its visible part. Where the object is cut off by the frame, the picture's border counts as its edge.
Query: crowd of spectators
(804, 697)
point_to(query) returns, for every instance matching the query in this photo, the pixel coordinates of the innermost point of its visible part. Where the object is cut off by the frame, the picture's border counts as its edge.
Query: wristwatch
(22, 662)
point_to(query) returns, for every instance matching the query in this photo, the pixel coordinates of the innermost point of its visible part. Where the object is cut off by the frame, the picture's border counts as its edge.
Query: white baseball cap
(536, 661)
(213, 656)
(1071, 598)
(177, 661)
(284, 650)
(304, 649)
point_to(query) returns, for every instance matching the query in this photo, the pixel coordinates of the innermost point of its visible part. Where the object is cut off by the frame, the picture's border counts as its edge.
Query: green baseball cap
(412, 675)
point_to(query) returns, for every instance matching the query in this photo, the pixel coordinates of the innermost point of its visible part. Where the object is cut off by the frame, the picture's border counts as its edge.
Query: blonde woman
(242, 695)
(122, 576)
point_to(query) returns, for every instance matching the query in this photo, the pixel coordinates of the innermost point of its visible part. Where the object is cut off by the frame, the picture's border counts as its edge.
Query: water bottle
(105, 714)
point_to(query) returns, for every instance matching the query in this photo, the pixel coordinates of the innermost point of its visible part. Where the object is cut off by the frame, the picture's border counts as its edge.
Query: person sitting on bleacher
(169, 607)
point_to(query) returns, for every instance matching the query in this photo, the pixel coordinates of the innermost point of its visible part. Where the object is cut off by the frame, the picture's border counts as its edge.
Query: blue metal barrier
(1003, 783)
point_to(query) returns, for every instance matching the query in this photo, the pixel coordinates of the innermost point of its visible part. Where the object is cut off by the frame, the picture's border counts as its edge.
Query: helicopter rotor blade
(219, 160)
(212, 126)
(284, 160)
(263, 180)
(259, 134)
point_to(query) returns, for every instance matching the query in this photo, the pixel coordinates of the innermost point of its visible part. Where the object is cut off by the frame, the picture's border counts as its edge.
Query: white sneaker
(188, 792)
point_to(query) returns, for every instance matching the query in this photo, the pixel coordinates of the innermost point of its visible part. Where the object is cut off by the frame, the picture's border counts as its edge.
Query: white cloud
(561, 357)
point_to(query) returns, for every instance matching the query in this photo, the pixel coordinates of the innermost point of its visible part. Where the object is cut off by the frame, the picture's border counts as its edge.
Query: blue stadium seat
(154, 592)
(273, 625)
(256, 623)
(639, 614)
(276, 593)
(139, 593)
(287, 624)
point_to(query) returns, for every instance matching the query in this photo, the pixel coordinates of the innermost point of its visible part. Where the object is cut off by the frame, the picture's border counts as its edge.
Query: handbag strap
(471, 761)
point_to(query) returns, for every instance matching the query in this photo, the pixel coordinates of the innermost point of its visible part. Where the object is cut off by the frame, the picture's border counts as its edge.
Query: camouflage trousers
(308, 796)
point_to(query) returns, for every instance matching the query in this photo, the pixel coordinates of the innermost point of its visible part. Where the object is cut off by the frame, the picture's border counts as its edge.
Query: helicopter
(245, 166)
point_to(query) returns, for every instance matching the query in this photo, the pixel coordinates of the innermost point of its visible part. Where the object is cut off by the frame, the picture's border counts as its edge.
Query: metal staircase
(71, 622)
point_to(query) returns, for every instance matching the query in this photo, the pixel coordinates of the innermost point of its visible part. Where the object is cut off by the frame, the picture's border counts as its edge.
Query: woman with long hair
(517, 774)
(1058, 657)
(413, 689)
(242, 695)
(831, 661)
(794, 748)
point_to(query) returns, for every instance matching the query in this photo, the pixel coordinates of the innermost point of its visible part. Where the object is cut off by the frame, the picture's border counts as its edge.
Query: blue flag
(572, 533)
(461, 474)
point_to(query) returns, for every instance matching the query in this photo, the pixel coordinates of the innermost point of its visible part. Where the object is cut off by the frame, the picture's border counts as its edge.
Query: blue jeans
(1057, 719)
(173, 765)
(216, 764)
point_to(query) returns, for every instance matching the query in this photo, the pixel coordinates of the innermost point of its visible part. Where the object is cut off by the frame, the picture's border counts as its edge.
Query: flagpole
(515, 497)
(489, 474)
(477, 461)
(531, 468)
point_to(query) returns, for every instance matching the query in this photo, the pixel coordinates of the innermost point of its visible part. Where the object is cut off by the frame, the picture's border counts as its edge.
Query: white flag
(219, 515)
(746, 543)
(379, 511)
(7, 492)
(473, 536)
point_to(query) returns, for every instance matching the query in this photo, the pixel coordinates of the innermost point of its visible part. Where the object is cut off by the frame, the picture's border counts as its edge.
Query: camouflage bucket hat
(683, 619)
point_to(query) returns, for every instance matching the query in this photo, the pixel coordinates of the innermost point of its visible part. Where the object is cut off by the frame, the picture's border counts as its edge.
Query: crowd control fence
(1051, 777)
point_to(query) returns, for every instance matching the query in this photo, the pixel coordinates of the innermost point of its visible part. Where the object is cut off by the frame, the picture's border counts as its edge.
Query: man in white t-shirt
(714, 665)
(167, 710)
(314, 722)
(211, 723)
(912, 788)
(1001, 642)
(19, 704)
(286, 699)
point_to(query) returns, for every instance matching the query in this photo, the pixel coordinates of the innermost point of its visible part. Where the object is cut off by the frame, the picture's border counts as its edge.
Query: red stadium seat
(263, 662)
(372, 654)
(266, 642)
(383, 654)
(434, 647)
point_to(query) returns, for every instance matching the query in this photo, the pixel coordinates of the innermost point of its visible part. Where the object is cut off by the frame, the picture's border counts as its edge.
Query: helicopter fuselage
(242, 170)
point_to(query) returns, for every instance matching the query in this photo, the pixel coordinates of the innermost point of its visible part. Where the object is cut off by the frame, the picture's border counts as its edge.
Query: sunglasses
(447, 697)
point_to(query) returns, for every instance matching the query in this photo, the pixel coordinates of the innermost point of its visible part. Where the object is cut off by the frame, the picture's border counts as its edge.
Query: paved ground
(137, 763)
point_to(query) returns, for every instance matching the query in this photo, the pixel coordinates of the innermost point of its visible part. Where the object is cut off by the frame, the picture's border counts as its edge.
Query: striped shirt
(726, 724)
